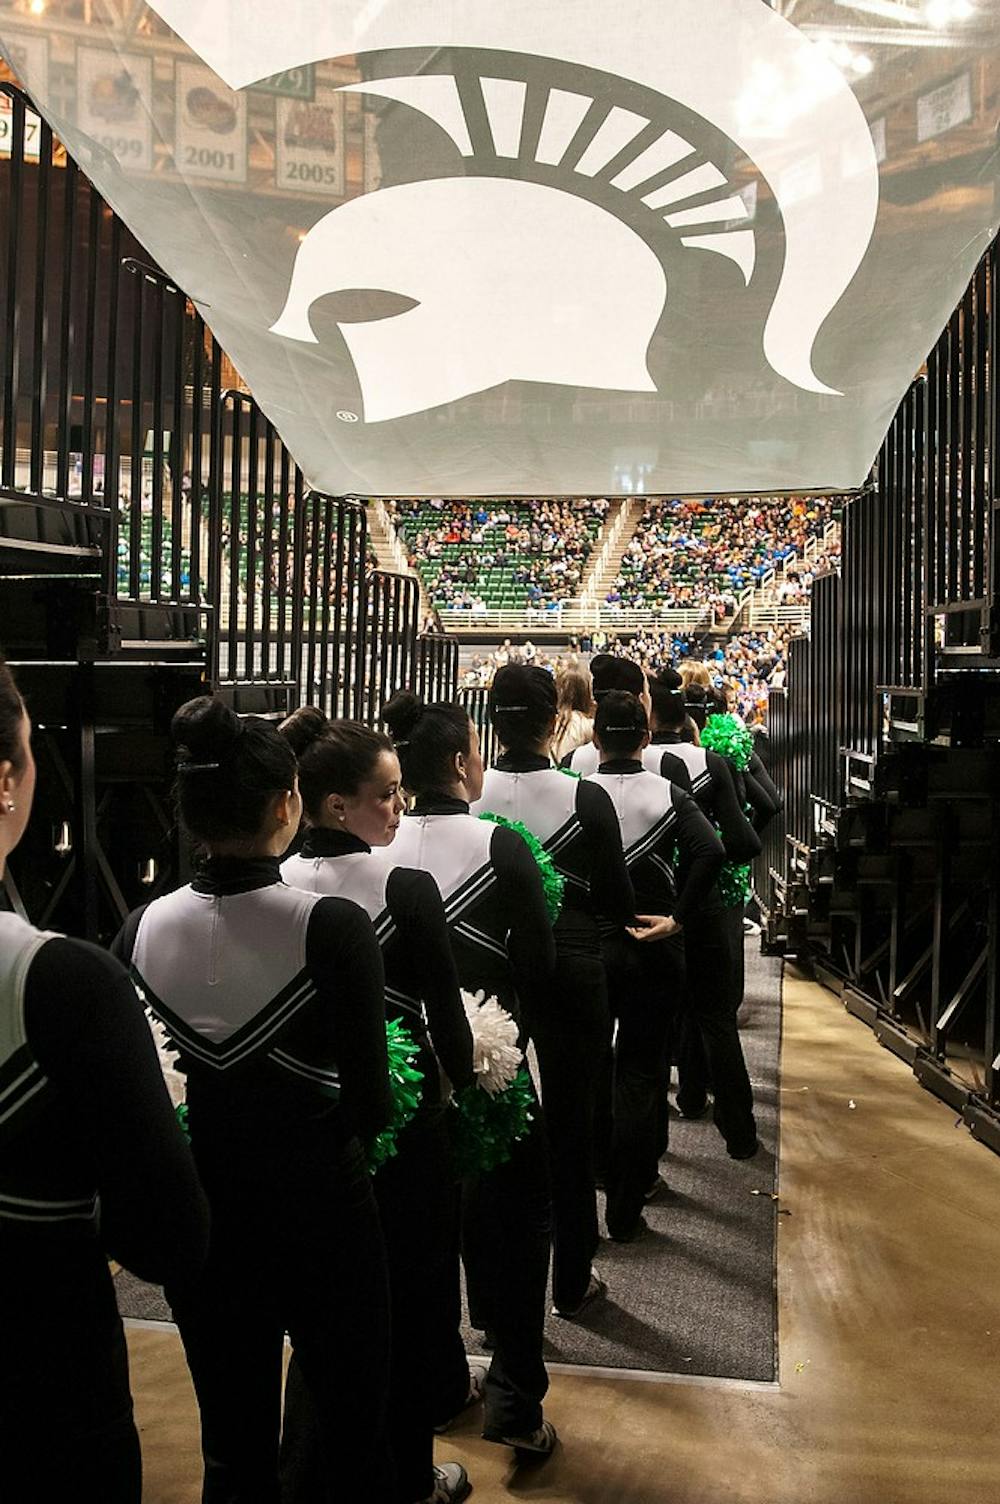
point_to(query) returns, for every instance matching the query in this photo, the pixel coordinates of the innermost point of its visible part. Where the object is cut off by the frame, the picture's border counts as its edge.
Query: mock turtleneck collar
(621, 765)
(225, 875)
(322, 841)
(522, 762)
(665, 739)
(439, 804)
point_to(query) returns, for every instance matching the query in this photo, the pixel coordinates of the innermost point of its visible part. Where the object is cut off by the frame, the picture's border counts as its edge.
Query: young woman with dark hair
(646, 977)
(576, 823)
(274, 998)
(709, 1050)
(350, 782)
(502, 942)
(92, 1166)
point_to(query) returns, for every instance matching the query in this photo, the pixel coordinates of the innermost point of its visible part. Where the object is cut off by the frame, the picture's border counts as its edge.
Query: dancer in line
(576, 824)
(607, 672)
(503, 946)
(709, 1051)
(350, 782)
(92, 1166)
(275, 1000)
(674, 857)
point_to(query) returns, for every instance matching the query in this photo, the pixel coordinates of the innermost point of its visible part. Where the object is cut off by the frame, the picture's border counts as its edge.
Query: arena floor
(889, 1316)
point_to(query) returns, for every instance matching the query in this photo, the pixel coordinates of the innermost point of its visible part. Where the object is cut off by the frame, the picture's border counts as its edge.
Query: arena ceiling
(683, 246)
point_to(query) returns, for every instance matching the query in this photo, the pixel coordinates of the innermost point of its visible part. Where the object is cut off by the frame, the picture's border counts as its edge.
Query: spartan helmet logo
(586, 159)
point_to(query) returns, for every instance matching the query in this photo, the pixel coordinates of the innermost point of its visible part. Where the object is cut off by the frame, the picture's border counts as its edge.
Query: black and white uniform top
(91, 1158)
(576, 823)
(583, 760)
(274, 999)
(672, 853)
(710, 780)
(421, 983)
(494, 901)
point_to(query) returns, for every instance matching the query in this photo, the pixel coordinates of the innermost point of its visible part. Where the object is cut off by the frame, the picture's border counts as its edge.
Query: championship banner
(534, 248)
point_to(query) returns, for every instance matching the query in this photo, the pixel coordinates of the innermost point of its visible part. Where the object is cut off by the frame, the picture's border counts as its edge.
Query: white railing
(598, 565)
(397, 552)
(574, 617)
(772, 614)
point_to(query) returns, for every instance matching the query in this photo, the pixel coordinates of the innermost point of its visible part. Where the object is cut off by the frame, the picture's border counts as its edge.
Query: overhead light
(37, 7)
(862, 64)
(940, 13)
(888, 10)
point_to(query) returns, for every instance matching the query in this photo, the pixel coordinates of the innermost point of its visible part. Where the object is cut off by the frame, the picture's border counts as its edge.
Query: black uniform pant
(303, 1255)
(418, 1203)
(645, 985)
(66, 1428)
(709, 1050)
(570, 1037)
(506, 1236)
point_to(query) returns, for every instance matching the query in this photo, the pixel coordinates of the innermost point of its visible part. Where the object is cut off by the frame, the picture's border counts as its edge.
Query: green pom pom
(734, 884)
(181, 1113)
(727, 736)
(485, 1128)
(404, 1082)
(552, 881)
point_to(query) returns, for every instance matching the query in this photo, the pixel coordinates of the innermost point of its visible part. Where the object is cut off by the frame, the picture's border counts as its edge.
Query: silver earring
(10, 806)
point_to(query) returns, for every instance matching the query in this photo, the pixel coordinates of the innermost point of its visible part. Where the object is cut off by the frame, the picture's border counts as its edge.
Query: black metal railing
(883, 742)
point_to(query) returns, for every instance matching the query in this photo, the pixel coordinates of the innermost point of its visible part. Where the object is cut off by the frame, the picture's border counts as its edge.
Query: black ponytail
(427, 739)
(228, 770)
(523, 702)
(620, 724)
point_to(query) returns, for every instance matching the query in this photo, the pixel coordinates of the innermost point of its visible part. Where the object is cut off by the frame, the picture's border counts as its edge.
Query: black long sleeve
(88, 1030)
(348, 1014)
(741, 841)
(531, 947)
(611, 888)
(702, 856)
(415, 903)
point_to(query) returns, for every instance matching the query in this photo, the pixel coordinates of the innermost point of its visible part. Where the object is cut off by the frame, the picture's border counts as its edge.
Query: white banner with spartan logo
(538, 248)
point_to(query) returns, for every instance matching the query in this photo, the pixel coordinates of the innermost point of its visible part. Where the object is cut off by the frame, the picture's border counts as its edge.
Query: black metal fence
(153, 525)
(886, 739)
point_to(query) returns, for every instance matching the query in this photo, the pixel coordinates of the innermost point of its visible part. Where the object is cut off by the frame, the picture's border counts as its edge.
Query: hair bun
(303, 727)
(670, 680)
(619, 711)
(402, 713)
(523, 687)
(204, 730)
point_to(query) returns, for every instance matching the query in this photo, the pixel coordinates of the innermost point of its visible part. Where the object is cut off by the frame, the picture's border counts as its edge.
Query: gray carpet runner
(695, 1295)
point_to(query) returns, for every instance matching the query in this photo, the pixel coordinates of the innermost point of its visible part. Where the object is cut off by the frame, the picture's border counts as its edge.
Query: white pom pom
(176, 1082)
(496, 1058)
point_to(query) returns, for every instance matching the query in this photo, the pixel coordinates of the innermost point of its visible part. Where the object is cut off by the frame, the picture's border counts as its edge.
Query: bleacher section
(509, 556)
(680, 566)
(686, 553)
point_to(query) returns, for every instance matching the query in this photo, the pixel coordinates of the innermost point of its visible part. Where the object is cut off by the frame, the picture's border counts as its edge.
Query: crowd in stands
(695, 553)
(486, 555)
(747, 665)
